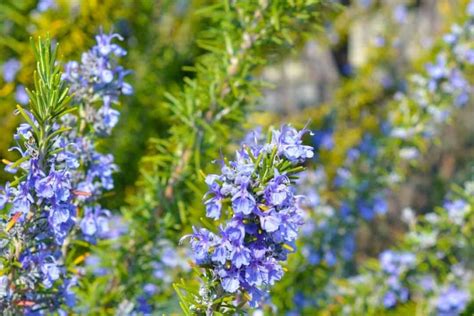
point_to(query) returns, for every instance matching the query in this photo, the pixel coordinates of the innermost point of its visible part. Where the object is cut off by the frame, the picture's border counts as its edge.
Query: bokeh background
(341, 78)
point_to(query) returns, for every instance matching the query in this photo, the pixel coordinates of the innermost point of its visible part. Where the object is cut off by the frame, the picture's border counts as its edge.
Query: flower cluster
(99, 78)
(97, 83)
(256, 191)
(438, 91)
(394, 265)
(451, 301)
(59, 172)
(457, 210)
(39, 203)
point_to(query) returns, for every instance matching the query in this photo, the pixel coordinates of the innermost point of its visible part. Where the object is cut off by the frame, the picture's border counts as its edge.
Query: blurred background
(341, 80)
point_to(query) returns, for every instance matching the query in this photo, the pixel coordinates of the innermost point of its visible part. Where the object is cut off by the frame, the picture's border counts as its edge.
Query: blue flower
(270, 221)
(457, 209)
(61, 219)
(266, 216)
(44, 5)
(380, 204)
(106, 47)
(10, 69)
(94, 263)
(106, 120)
(290, 144)
(390, 299)
(95, 222)
(365, 210)
(230, 279)
(330, 258)
(452, 301)
(22, 199)
(213, 208)
(470, 8)
(243, 202)
(99, 77)
(50, 270)
(56, 184)
(5, 194)
(202, 240)
(277, 192)
(400, 13)
(67, 291)
(323, 139)
(21, 96)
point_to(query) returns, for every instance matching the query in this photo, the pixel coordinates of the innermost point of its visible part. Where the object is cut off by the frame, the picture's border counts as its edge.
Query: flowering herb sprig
(254, 194)
(38, 212)
(96, 84)
(98, 78)
(61, 172)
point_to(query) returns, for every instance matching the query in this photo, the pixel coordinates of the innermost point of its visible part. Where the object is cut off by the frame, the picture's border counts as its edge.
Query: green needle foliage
(210, 108)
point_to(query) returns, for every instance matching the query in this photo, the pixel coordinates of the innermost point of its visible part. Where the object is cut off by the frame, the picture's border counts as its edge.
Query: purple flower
(457, 210)
(10, 69)
(99, 77)
(270, 221)
(105, 45)
(23, 132)
(21, 96)
(56, 185)
(230, 280)
(117, 227)
(245, 253)
(107, 119)
(213, 208)
(452, 301)
(50, 270)
(437, 71)
(201, 241)
(240, 256)
(470, 8)
(277, 192)
(94, 263)
(289, 143)
(365, 210)
(323, 139)
(342, 176)
(5, 194)
(44, 5)
(380, 204)
(390, 299)
(22, 199)
(67, 293)
(400, 13)
(61, 219)
(95, 222)
(396, 262)
(243, 202)
(330, 258)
